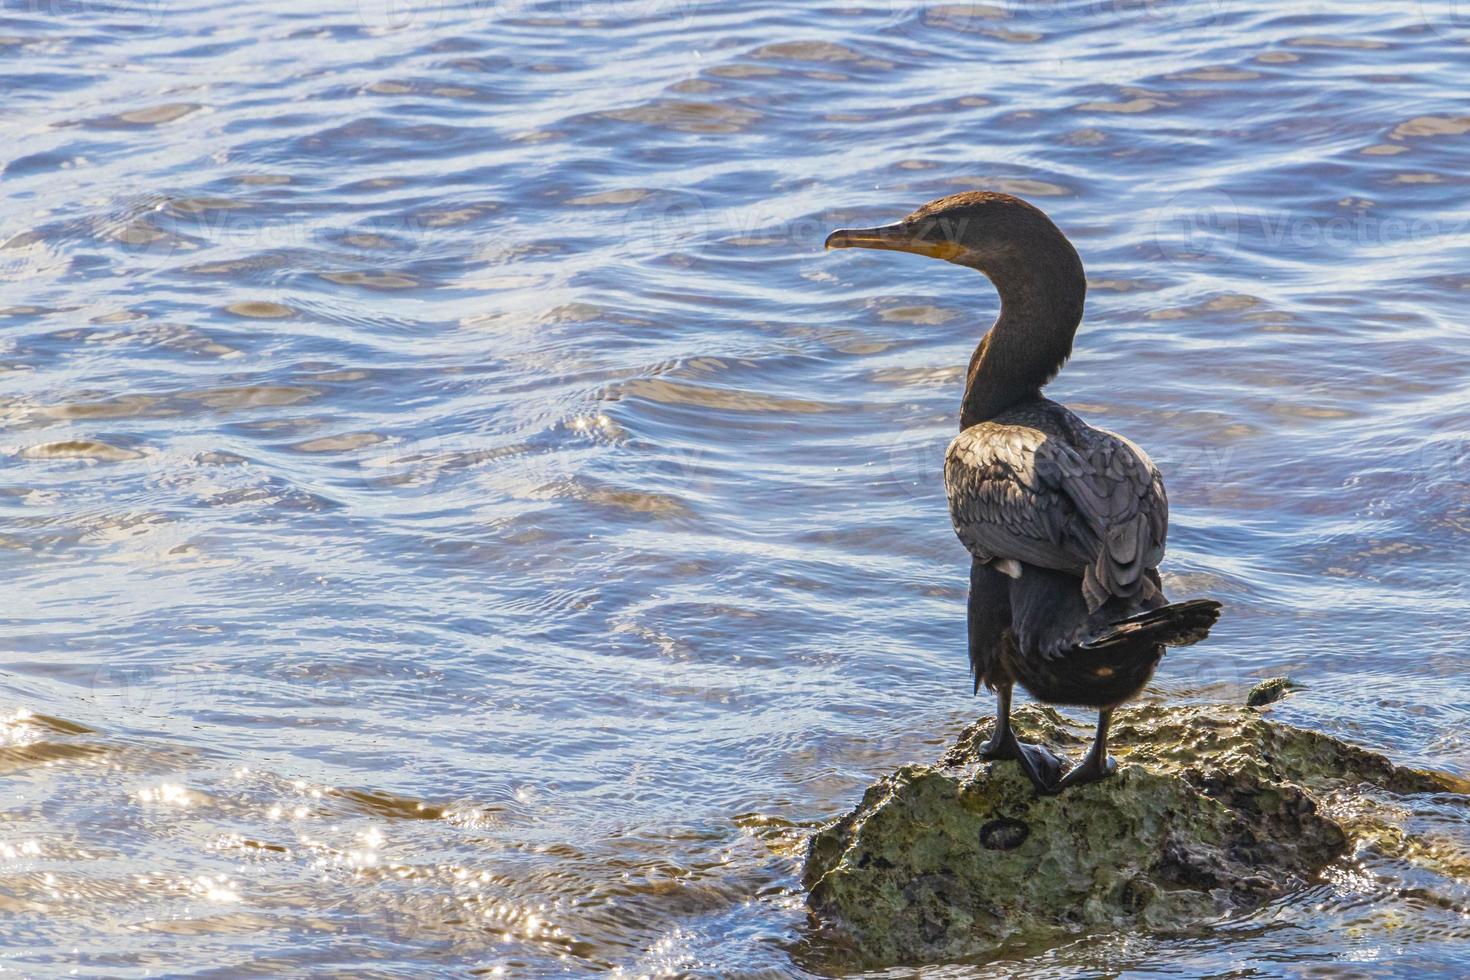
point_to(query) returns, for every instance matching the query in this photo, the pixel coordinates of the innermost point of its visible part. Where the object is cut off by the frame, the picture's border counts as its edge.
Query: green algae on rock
(1270, 691)
(1212, 810)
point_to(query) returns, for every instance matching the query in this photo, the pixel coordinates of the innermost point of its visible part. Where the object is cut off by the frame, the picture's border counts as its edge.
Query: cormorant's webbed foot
(1097, 766)
(1092, 769)
(1037, 762)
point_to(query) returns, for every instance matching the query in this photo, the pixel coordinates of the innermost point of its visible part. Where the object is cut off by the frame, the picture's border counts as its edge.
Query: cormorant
(1065, 523)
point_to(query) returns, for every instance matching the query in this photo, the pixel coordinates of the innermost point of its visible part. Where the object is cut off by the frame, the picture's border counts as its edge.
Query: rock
(1270, 691)
(1212, 810)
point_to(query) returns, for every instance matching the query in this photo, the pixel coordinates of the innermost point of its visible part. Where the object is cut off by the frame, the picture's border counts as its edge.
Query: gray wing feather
(1096, 509)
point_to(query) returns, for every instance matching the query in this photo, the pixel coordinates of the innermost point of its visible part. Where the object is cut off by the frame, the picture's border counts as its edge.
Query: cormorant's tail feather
(1178, 624)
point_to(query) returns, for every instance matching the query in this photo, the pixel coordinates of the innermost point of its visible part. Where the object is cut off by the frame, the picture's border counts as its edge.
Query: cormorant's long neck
(1041, 293)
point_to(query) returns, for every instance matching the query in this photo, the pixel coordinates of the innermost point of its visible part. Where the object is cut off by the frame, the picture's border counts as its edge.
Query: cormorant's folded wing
(1097, 510)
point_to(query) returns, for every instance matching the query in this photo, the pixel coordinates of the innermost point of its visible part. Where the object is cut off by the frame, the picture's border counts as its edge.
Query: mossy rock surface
(1212, 810)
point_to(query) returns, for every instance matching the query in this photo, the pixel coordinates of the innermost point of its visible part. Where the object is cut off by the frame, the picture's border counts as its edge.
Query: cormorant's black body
(1012, 620)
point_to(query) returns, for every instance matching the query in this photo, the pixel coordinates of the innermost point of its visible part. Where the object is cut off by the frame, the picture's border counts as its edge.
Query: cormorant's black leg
(1001, 739)
(1097, 766)
(1038, 763)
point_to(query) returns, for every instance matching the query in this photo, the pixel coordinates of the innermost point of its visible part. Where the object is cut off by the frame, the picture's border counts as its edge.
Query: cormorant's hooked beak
(895, 238)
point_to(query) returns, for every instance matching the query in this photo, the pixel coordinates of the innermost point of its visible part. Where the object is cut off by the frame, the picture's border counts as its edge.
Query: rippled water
(455, 519)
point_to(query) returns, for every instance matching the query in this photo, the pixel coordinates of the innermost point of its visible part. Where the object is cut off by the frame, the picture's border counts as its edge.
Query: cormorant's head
(985, 230)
